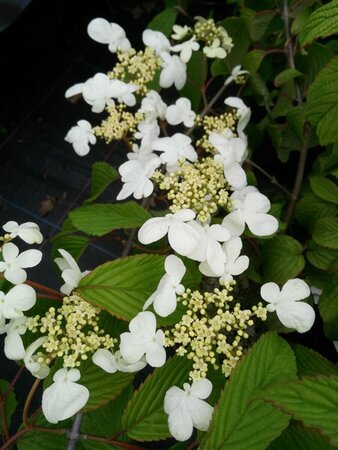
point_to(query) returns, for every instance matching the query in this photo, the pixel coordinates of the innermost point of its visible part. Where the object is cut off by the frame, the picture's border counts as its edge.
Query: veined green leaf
(325, 189)
(311, 363)
(164, 21)
(321, 257)
(102, 175)
(326, 232)
(286, 75)
(321, 23)
(310, 208)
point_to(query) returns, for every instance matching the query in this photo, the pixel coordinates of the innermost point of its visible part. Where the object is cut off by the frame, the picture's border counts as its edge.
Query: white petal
(10, 252)
(165, 302)
(200, 412)
(185, 214)
(14, 348)
(74, 90)
(99, 30)
(295, 289)
(240, 265)
(235, 223)
(235, 175)
(20, 298)
(270, 292)
(182, 238)
(201, 388)
(105, 359)
(143, 324)
(261, 224)
(29, 258)
(131, 348)
(180, 423)
(15, 276)
(173, 398)
(219, 233)
(155, 355)
(174, 267)
(296, 315)
(153, 230)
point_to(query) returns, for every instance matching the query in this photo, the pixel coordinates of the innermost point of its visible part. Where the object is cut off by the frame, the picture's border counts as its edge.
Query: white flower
(187, 408)
(243, 112)
(80, 136)
(215, 50)
(124, 92)
(164, 298)
(152, 106)
(231, 151)
(100, 30)
(174, 72)
(181, 236)
(14, 348)
(13, 263)
(290, 311)
(186, 48)
(36, 368)
(250, 207)
(181, 112)
(64, 397)
(227, 43)
(236, 72)
(180, 32)
(18, 299)
(29, 231)
(136, 173)
(143, 339)
(113, 362)
(148, 132)
(234, 263)
(174, 148)
(157, 41)
(209, 248)
(70, 271)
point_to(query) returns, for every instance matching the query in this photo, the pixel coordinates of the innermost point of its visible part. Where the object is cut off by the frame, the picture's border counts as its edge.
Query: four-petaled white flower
(250, 207)
(174, 72)
(164, 298)
(186, 48)
(148, 132)
(187, 408)
(38, 369)
(243, 112)
(80, 136)
(14, 264)
(215, 50)
(181, 112)
(234, 263)
(230, 152)
(236, 72)
(29, 232)
(181, 236)
(113, 362)
(143, 339)
(15, 328)
(174, 148)
(70, 271)
(64, 397)
(180, 32)
(100, 30)
(209, 248)
(290, 311)
(135, 175)
(18, 299)
(157, 41)
(152, 106)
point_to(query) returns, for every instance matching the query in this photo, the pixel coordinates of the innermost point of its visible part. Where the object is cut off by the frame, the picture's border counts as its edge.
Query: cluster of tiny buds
(207, 31)
(118, 124)
(5, 238)
(200, 186)
(215, 124)
(138, 68)
(72, 332)
(212, 330)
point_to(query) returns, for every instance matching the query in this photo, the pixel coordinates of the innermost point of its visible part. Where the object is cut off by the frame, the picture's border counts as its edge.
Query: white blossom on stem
(187, 409)
(236, 72)
(186, 48)
(37, 368)
(80, 136)
(14, 329)
(157, 41)
(136, 174)
(173, 149)
(181, 236)
(292, 313)
(243, 112)
(180, 32)
(64, 397)
(70, 271)
(113, 362)
(13, 263)
(174, 72)
(181, 112)
(100, 30)
(215, 50)
(18, 299)
(143, 339)
(29, 232)
(152, 106)
(148, 132)
(164, 298)
(250, 207)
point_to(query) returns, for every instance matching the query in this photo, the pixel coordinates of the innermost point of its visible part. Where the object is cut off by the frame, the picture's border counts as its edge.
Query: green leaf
(101, 218)
(311, 363)
(196, 71)
(259, 25)
(286, 75)
(164, 21)
(282, 259)
(11, 402)
(326, 232)
(325, 189)
(322, 103)
(328, 308)
(313, 401)
(73, 243)
(321, 257)
(317, 56)
(122, 286)
(252, 60)
(258, 85)
(240, 420)
(103, 175)
(310, 208)
(237, 30)
(144, 418)
(321, 23)
(296, 437)
(296, 120)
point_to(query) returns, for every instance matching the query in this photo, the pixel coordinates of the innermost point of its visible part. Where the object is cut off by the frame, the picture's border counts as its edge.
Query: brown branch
(4, 424)
(43, 288)
(28, 401)
(272, 178)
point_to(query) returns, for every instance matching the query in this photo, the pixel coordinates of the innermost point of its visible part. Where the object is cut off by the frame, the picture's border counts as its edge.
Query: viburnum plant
(182, 334)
